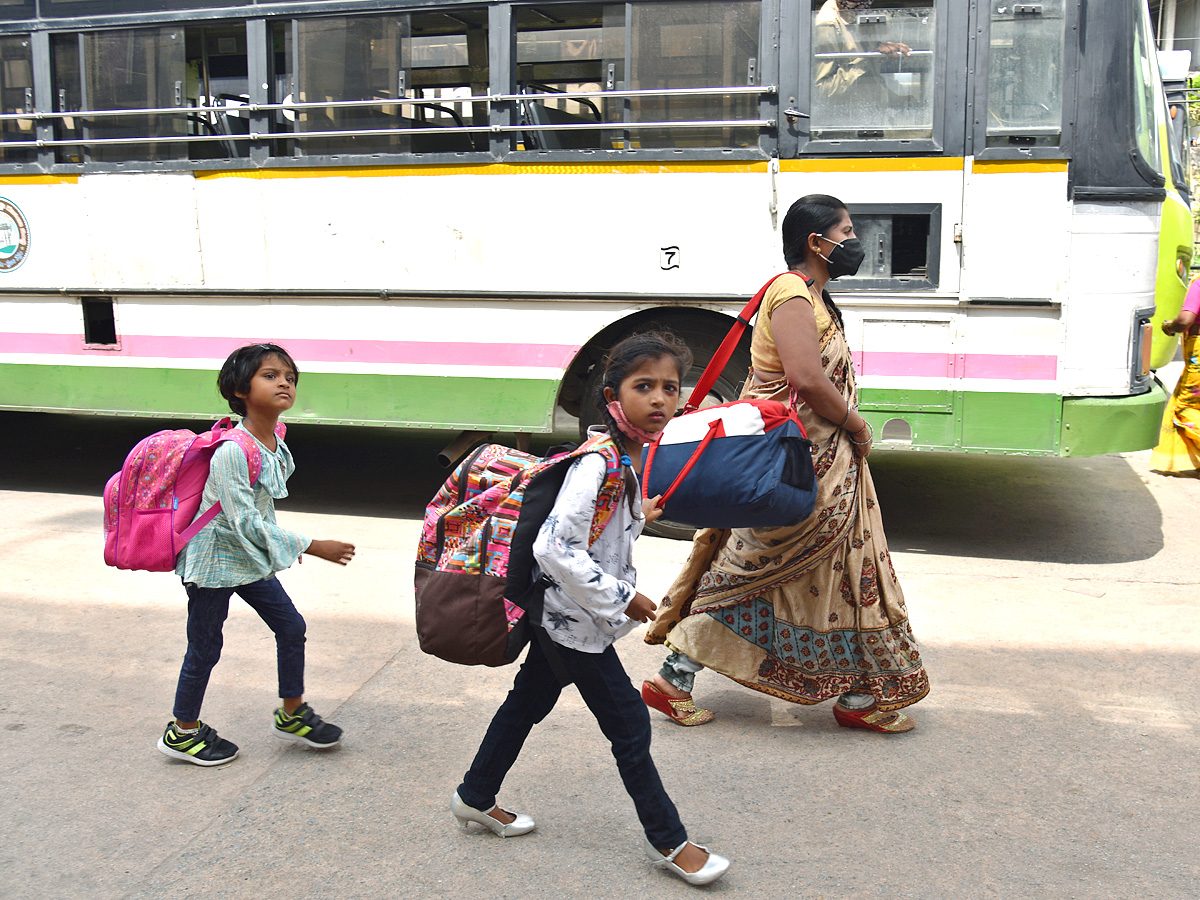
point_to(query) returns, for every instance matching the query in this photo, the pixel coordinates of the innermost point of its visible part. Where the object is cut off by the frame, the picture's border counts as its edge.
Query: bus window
(218, 88)
(1178, 138)
(17, 10)
(873, 70)
(693, 45)
(673, 48)
(68, 8)
(563, 53)
(449, 65)
(121, 70)
(68, 95)
(1147, 94)
(358, 70)
(16, 98)
(1025, 74)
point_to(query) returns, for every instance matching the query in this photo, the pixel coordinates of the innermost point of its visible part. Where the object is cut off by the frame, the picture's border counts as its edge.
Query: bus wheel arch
(702, 330)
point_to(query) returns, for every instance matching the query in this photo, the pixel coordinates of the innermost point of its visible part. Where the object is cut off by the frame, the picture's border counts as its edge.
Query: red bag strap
(713, 427)
(725, 352)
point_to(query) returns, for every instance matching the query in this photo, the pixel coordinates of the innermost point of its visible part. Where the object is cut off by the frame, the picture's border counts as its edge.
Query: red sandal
(681, 712)
(873, 719)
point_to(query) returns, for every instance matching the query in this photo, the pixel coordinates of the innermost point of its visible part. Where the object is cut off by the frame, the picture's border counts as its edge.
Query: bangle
(845, 418)
(870, 436)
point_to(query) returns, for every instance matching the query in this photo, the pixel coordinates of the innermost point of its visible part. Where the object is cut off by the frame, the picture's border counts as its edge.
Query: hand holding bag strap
(725, 352)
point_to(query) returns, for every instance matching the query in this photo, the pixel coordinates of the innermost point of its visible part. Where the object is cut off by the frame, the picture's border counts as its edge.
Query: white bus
(447, 210)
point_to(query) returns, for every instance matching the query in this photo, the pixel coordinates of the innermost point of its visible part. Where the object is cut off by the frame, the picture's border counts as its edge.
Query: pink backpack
(149, 505)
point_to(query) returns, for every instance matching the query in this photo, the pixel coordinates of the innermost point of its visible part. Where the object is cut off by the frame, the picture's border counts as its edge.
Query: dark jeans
(619, 711)
(207, 610)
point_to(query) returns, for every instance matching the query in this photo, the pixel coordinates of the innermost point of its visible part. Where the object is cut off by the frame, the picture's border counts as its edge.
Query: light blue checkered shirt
(243, 543)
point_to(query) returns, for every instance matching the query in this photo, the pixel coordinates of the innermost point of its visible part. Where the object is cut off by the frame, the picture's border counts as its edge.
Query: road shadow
(1037, 509)
(342, 470)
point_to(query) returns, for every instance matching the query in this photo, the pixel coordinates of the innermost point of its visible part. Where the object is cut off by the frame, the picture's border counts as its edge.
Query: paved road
(1058, 755)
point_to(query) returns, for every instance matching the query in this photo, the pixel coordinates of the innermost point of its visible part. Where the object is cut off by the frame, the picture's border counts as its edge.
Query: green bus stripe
(415, 401)
(972, 421)
(1006, 422)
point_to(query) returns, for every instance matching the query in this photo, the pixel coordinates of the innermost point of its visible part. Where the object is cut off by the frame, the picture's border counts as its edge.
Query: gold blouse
(764, 356)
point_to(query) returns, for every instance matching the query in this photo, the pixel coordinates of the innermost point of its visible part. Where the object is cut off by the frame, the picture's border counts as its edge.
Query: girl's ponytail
(631, 488)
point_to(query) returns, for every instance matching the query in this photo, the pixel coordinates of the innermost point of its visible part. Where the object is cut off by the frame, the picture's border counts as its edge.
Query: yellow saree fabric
(809, 612)
(1178, 450)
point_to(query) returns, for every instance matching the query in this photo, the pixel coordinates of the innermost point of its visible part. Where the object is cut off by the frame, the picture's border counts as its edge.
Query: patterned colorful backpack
(149, 505)
(476, 598)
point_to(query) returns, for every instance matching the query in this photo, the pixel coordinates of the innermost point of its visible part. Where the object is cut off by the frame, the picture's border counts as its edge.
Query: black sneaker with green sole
(204, 748)
(305, 726)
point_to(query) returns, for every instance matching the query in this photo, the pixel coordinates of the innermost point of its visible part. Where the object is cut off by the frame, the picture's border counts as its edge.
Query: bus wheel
(728, 387)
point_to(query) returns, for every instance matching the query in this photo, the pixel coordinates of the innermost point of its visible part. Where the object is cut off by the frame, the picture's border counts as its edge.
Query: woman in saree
(1178, 450)
(813, 611)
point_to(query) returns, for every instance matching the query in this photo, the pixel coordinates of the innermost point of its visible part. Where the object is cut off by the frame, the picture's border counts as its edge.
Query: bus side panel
(362, 361)
(976, 379)
(1114, 255)
(520, 230)
(104, 232)
(1015, 215)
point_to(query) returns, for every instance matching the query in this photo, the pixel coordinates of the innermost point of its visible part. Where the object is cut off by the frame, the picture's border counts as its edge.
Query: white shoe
(522, 824)
(714, 867)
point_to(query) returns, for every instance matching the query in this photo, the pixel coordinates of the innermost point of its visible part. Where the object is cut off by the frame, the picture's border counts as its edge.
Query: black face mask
(845, 258)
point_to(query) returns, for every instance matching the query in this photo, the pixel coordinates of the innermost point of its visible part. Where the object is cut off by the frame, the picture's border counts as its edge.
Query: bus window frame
(765, 146)
(949, 99)
(1178, 137)
(1151, 168)
(258, 21)
(981, 35)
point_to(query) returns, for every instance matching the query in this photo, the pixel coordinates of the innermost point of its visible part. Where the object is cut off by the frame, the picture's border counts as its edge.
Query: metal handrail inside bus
(41, 115)
(664, 92)
(858, 54)
(377, 132)
(385, 103)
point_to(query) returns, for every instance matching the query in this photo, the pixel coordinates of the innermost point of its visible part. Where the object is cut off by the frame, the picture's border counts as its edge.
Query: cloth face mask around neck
(627, 427)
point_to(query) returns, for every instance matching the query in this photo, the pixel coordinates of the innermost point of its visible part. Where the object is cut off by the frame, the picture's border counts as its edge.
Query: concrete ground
(1058, 755)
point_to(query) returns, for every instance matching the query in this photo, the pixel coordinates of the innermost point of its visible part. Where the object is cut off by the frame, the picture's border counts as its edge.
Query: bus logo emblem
(14, 236)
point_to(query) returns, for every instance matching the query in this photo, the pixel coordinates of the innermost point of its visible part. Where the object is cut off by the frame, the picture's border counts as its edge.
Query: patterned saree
(809, 612)
(1178, 450)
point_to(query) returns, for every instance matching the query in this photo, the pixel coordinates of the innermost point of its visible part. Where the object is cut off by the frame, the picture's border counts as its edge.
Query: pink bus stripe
(963, 365)
(449, 353)
(461, 353)
(921, 365)
(1016, 368)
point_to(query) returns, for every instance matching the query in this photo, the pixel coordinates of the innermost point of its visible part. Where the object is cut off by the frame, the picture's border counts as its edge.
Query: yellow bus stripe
(875, 164)
(641, 168)
(38, 179)
(1007, 166)
(859, 164)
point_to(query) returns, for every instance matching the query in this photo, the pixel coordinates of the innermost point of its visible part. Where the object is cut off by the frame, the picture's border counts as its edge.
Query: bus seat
(538, 113)
(431, 141)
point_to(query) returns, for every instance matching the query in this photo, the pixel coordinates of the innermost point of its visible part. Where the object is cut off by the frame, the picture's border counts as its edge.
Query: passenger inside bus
(838, 72)
(872, 69)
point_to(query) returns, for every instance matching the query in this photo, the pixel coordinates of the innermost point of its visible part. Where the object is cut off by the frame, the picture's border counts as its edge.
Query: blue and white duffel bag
(745, 464)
